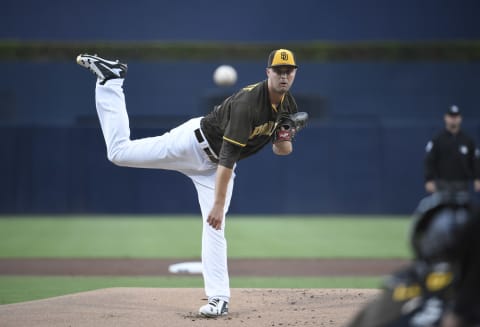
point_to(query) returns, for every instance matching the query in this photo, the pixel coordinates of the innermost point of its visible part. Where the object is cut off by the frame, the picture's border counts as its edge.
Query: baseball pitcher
(206, 149)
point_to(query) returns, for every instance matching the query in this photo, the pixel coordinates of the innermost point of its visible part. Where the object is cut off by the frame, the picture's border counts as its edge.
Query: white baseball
(225, 75)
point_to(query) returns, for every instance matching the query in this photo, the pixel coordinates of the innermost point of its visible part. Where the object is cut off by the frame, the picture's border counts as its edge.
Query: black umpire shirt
(452, 158)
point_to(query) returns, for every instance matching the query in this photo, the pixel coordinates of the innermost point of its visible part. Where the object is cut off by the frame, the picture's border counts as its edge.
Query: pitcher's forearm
(221, 184)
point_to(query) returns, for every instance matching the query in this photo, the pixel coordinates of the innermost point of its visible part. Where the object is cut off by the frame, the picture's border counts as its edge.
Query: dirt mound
(178, 307)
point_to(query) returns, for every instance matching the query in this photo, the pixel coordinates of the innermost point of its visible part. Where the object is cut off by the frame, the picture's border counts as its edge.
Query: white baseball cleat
(214, 308)
(104, 69)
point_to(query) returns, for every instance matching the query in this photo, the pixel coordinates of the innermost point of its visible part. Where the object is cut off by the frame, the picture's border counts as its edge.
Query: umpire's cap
(281, 57)
(453, 111)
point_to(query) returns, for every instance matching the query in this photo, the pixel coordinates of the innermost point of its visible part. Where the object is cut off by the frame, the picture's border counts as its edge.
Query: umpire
(452, 161)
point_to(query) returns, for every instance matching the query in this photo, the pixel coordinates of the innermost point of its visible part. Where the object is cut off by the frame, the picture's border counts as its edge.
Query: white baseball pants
(177, 150)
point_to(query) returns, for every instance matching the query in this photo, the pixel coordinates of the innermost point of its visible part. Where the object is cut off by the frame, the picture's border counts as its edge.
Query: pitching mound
(178, 307)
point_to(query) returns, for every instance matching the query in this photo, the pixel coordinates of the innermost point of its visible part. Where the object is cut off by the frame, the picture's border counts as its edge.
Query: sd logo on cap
(281, 57)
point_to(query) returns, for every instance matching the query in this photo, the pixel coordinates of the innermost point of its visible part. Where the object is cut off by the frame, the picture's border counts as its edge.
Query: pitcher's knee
(116, 153)
(115, 158)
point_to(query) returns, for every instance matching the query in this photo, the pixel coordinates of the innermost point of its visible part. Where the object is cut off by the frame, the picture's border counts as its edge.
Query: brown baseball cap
(281, 57)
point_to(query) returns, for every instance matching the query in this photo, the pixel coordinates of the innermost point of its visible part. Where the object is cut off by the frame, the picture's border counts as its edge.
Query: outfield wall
(361, 153)
(336, 168)
(160, 94)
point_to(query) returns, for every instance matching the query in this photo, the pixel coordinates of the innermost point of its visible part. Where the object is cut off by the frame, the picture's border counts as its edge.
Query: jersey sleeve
(239, 125)
(229, 154)
(293, 108)
(475, 161)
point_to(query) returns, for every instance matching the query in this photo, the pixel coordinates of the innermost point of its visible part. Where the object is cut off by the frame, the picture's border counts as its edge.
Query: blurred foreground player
(206, 149)
(441, 286)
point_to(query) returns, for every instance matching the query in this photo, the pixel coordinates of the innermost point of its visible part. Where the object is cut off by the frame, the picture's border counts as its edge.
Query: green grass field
(179, 237)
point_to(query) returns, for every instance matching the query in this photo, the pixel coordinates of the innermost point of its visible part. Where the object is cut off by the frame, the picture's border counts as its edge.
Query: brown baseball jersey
(247, 119)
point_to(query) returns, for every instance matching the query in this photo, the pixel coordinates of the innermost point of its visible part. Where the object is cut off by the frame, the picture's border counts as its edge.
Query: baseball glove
(289, 126)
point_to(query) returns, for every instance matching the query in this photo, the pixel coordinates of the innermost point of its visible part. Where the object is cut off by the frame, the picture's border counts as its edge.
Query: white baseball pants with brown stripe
(176, 150)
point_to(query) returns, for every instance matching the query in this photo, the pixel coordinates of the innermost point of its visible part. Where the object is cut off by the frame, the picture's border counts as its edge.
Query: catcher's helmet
(439, 222)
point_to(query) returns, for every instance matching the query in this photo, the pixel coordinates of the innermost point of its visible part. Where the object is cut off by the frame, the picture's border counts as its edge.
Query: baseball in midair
(225, 75)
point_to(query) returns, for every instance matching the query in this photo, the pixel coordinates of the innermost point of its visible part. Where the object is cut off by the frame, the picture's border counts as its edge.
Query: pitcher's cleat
(214, 308)
(104, 69)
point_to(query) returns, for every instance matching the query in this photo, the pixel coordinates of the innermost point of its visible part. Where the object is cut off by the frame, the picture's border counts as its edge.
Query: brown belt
(200, 139)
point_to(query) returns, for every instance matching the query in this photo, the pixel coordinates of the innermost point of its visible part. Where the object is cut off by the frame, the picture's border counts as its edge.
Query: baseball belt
(198, 134)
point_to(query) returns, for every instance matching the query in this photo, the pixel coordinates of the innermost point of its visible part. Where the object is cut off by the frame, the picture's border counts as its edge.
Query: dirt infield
(237, 267)
(178, 307)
